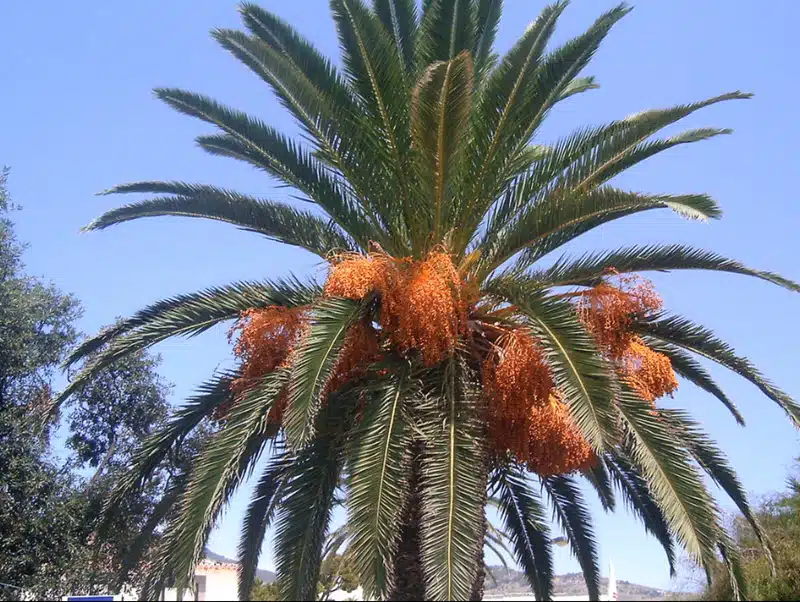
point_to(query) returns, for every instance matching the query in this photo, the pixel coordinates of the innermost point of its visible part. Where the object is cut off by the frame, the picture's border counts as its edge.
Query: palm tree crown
(443, 362)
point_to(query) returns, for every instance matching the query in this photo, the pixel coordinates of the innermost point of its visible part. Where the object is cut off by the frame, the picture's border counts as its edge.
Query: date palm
(419, 150)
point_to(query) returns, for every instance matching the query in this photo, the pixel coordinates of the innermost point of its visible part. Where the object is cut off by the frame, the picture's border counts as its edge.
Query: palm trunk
(409, 579)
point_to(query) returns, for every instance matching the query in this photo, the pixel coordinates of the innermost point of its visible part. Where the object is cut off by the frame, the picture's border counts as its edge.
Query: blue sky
(77, 116)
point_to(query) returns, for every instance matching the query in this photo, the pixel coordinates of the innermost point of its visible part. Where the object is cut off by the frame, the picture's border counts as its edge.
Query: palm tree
(447, 358)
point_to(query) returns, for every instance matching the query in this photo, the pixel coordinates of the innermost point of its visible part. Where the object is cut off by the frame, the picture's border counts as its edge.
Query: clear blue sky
(77, 116)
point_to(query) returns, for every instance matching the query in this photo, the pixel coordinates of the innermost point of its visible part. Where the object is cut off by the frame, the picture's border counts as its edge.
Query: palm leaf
(733, 564)
(552, 223)
(579, 371)
(219, 469)
(379, 470)
(579, 85)
(672, 479)
(716, 465)
(591, 268)
(277, 221)
(440, 108)
(527, 527)
(573, 516)
(687, 367)
(399, 17)
(640, 502)
(692, 337)
(452, 499)
(266, 498)
(185, 315)
(487, 18)
(158, 445)
(315, 358)
(447, 29)
(308, 501)
(599, 479)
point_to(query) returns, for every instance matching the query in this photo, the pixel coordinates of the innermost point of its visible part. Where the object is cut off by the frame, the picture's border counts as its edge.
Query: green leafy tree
(265, 591)
(421, 149)
(779, 516)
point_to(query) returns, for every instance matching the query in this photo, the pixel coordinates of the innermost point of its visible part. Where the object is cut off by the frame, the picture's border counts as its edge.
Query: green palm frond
(497, 107)
(548, 225)
(591, 268)
(452, 500)
(639, 500)
(600, 480)
(155, 448)
(733, 564)
(314, 361)
(266, 498)
(308, 500)
(580, 373)
(672, 479)
(687, 367)
(716, 465)
(220, 467)
(447, 29)
(399, 18)
(440, 109)
(527, 526)
(376, 72)
(574, 518)
(191, 314)
(277, 221)
(185, 315)
(579, 85)
(487, 19)
(685, 334)
(378, 478)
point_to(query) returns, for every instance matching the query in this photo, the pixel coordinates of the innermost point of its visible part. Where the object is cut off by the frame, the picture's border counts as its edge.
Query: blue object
(91, 598)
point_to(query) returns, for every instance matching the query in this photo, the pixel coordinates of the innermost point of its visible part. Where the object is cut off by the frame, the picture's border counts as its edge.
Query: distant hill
(510, 581)
(264, 575)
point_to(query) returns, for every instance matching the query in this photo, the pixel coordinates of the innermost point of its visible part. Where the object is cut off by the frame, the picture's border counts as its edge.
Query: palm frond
(574, 518)
(452, 499)
(600, 480)
(487, 18)
(399, 17)
(552, 223)
(184, 315)
(219, 469)
(376, 72)
(314, 360)
(247, 138)
(716, 465)
(590, 268)
(440, 110)
(697, 339)
(260, 512)
(308, 500)
(379, 471)
(158, 445)
(447, 29)
(733, 564)
(527, 527)
(191, 314)
(580, 373)
(639, 500)
(277, 221)
(672, 479)
(579, 85)
(690, 369)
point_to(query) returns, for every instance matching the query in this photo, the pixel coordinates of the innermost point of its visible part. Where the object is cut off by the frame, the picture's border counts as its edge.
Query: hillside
(514, 582)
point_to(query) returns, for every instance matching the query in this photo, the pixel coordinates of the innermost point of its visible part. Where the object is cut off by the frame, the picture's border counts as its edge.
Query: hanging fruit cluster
(423, 311)
(527, 417)
(423, 303)
(608, 311)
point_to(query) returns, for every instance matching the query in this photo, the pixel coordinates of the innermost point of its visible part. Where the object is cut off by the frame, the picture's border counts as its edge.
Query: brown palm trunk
(409, 578)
